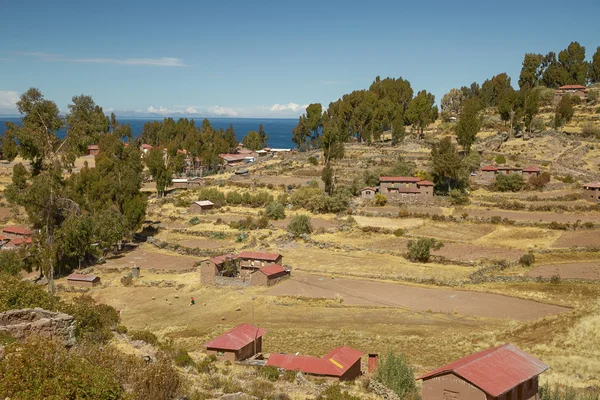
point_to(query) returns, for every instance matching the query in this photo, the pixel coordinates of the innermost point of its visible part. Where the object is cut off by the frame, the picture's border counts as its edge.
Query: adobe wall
(36, 321)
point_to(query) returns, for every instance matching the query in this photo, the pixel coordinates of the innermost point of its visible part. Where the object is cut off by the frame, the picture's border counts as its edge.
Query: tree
(10, 150)
(421, 110)
(314, 119)
(253, 141)
(162, 174)
(573, 61)
(564, 111)
(452, 101)
(263, 135)
(395, 373)
(555, 74)
(380, 200)
(445, 164)
(531, 72)
(299, 225)
(493, 90)
(509, 183)
(594, 68)
(468, 125)
(327, 176)
(301, 133)
(419, 250)
(275, 210)
(532, 107)
(539, 181)
(86, 122)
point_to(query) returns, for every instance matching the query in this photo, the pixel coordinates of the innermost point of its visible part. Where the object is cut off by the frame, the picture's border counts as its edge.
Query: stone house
(200, 206)
(267, 276)
(368, 192)
(405, 186)
(249, 261)
(93, 150)
(215, 266)
(500, 373)
(592, 191)
(83, 280)
(237, 344)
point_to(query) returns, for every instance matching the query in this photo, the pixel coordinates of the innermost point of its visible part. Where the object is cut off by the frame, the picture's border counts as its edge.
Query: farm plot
(578, 239)
(578, 270)
(146, 257)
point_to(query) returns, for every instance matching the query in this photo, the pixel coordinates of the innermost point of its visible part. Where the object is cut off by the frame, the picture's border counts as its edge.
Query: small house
(368, 192)
(267, 276)
(214, 266)
(531, 171)
(237, 344)
(500, 373)
(12, 232)
(342, 363)
(592, 191)
(93, 150)
(83, 280)
(202, 205)
(402, 186)
(253, 260)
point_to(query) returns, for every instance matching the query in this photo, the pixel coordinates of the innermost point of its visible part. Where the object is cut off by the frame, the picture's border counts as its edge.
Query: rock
(36, 321)
(301, 380)
(153, 298)
(222, 318)
(382, 391)
(238, 309)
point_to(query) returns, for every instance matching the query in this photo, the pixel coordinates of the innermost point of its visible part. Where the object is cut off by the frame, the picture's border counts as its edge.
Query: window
(220, 353)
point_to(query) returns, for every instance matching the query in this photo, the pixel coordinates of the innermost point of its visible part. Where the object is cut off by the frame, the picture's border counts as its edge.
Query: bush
(458, 197)
(194, 221)
(399, 232)
(334, 392)
(555, 279)
(558, 226)
(565, 393)
(93, 321)
(121, 329)
(380, 200)
(420, 249)
(270, 373)
(313, 160)
(234, 198)
(261, 389)
(527, 260)
(12, 262)
(157, 382)
(183, 359)
(538, 182)
(590, 129)
(509, 183)
(15, 294)
(275, 210)
(299, 225)
(145, 336)
(500, 159)
(565, 179)
(394, 372)
(212, 194)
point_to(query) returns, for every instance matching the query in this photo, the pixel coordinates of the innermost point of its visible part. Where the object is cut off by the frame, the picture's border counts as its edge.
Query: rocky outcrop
(382, 391)
(36, 321)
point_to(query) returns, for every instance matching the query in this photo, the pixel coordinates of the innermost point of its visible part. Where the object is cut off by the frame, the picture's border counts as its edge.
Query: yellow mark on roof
(337, 364)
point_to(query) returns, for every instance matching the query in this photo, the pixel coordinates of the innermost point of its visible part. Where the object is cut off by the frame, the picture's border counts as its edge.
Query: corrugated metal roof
(594, 185)
(532, 169)
(259, 255)
(398, 179)
(489, 168)
(496, 370)
(82, 278)
(218, 260)
(572, 87)
(272, 269)
(236, 338)
(20, 241)
(203, 203)
(17, 230)
(334, 363)
(425, 183)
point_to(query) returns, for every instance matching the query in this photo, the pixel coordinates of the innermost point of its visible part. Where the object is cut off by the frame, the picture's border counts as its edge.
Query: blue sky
(269, 58)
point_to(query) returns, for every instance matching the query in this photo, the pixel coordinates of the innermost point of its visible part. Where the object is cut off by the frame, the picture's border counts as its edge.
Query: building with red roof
(216, 266)
(504, 373)
(269, 275)
(93, 150)
(253, 260)
(83, 280)
(368, 192)
(592, 191)
(341, 363)
(402, 186)
(16, 232)
(239, 343)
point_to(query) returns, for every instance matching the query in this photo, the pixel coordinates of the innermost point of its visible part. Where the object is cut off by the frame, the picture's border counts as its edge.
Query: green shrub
(241, 237)
(12, 262)
(261, 389)
(458, 197)
(590, 129)
(234, 198)
(527, 260)
(394, 372)
(420, 249)
(509, 183)
(299, 225)
(313, 160)
(157, 381)
(6, 339)
(275, 210)
(212, 194)
(538, 182)
(558, 226)
(565, 179)
(121, 329)
(194, 221)
(380, 200)
(269, 372)
(399, 232)
(500, 159)
(183, 359)
(16, 293)
(93, 321)
(555, 279)
(145, 336)
(334, 392)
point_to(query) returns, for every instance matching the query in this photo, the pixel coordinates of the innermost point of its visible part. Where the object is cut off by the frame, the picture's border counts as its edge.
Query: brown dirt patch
(360, 292)
(580, 270)
(534, 216)
(5, 213)
(145, 257)
(205, 243)
(411, 209)
(578, 239)
(317, 223)
(453, 231)
(471, 252)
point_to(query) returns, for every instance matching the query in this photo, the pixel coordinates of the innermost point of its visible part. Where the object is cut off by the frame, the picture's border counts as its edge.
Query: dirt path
(578, 270)
(360, 292)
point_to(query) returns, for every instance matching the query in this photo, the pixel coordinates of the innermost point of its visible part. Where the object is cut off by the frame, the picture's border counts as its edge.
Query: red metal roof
(20, 241)
(368, 188)
(398, 179)
(271, 270)
(17, 230)
(236, 338)
(146, 146)
(496, 370)
(489, 168)
(93, 147)
(334, 363)
(566, 87)
(425, 183)
(218, 260)
(259, 255)
(594, 185)
(82, 278)
(531, 169)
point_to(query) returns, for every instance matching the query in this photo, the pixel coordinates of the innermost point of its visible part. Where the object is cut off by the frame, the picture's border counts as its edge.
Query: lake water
(279, 130)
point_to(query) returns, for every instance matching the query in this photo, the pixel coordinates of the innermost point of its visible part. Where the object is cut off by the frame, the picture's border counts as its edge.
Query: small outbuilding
(267, 276)
(341, 363)
(592, 191)
(202, 205)
(531, 171)
(368, 192)
(237, 344)
(83, 280)
(93, 150)
(500, 373)
(258, 259)
(16, 232)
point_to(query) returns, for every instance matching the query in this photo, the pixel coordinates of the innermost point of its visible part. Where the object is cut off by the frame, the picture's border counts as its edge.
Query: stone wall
(36, 321)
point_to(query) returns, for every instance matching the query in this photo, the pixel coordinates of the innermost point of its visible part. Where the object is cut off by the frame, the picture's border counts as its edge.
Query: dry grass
(519, 237)
(453, 231)
(388, 223)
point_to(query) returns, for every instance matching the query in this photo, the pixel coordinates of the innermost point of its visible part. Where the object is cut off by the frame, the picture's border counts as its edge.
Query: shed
(368, 192)
(267, 276)
(592, 191)
(93, 150)
(83, 280)
(531, 171)
(16, 231)
(202, 205)
(258, 259)
(504, 373)
(237, 344)
(342, 363)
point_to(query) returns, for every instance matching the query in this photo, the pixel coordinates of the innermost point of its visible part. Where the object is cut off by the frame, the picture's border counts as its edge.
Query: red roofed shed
(16, 231)
(531, 171)
(504, 373)
(83, 280)
(489, 168)
(237, 344)
(258, 259)
(269, 275)
(342, 363)
(93, 150)
(592, 191)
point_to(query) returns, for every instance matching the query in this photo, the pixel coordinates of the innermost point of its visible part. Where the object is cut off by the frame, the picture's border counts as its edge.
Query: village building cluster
(253, 267)
(400, 187)
(14, 237)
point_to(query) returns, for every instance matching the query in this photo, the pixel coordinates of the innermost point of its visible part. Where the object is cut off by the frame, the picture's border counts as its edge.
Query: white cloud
(222, 111)
(288, 107)
(163, 110)
(191, 110)
(158, 62)
(8, 101)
